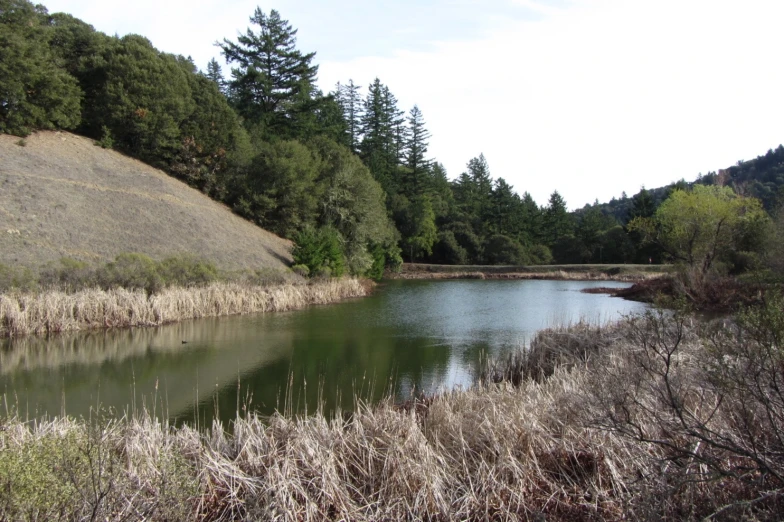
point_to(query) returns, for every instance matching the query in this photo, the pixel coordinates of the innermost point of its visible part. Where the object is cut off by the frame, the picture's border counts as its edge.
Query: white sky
(587, 97)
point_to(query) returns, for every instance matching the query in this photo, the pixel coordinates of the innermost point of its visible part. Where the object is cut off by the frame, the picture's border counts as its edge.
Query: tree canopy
(348, 169)
(701, 225)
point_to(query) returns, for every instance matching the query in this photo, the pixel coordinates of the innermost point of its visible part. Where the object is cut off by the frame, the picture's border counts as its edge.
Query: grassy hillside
(62, 196)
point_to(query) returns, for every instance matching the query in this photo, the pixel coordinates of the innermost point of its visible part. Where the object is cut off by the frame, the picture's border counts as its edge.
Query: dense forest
(345, 174)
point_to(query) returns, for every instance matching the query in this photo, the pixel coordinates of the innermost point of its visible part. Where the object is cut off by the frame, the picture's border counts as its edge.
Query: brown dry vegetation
(62, 196)
(57, 311)
(654, 418)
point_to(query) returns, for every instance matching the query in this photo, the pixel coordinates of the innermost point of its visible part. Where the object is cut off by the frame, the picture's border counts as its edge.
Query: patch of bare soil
(63, 196)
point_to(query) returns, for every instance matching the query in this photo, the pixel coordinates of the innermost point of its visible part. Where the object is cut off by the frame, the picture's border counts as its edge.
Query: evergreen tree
(421, 233)
(556, 222)
(215, 75)
(350, 103)
(35, 93)
(378, 149)
(272, 79)
(144, 99)
(440, 191)
(531, 218)
(643, 205)
(395, 129)
(416, 173)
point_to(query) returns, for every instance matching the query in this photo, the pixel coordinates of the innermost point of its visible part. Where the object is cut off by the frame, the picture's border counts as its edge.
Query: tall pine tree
(417, 166)
(272, 80)
(350, 103)
(215, 74)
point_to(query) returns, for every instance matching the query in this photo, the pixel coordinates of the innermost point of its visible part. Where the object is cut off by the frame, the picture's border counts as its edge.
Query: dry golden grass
(63, 196)
(57, 311)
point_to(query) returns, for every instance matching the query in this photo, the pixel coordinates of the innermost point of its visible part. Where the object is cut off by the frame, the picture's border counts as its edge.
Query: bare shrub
(708, 402)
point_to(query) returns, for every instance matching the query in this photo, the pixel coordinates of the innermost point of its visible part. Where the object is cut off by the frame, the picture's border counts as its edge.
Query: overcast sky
(587, 97)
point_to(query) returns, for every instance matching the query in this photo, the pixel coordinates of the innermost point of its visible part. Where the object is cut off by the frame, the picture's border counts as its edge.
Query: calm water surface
(410, 335)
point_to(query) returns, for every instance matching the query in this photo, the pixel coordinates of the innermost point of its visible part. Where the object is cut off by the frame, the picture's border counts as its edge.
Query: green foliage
(616, 246)
(85, 473)
(448, 251)
(348, 99)
(143, 100)
(301, 270)
(703, 225)
(106, 141)
(34, 92)
(376, 270)
(503, 250)
(69, 274)
(131, 271)
(353, 204)
(414, 178)
(278, 190)
(421, 233)
(16, 278)
(556, 223)
(272, 85)
(212, 141)
(774, 258)
(186, 270)
(320, 251)
(540, 255)
(34, 478)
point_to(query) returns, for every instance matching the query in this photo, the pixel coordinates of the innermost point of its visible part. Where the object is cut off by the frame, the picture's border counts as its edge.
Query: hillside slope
(60, 195)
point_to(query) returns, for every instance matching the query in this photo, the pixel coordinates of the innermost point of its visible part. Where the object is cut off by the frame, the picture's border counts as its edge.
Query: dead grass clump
(57, 311)
(550, 348)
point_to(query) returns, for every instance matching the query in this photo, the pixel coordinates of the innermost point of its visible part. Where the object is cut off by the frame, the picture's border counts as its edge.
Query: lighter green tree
(701, 225)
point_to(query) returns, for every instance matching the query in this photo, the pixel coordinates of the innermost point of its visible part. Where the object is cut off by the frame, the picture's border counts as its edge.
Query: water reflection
(410, 336)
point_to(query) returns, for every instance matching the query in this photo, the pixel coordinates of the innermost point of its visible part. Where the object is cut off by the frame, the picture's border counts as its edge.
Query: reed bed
(57, 311)
(636, 421)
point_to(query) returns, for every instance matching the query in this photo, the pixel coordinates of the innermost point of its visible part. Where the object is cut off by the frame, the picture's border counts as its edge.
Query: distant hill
(63, 196)
(762, 178)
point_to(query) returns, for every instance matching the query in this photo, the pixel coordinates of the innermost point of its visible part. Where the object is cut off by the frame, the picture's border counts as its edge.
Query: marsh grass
(58, 311)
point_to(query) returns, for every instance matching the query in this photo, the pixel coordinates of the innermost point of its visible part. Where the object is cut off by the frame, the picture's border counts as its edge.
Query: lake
(410, 336)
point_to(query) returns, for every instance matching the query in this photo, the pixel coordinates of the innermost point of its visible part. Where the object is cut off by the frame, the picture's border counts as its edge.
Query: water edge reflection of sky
(410, 335)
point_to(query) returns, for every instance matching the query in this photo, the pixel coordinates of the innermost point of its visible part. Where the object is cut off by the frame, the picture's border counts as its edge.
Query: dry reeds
(57, 311)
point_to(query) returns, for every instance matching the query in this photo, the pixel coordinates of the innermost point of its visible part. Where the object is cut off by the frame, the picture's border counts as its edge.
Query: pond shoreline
(537, 438)
(55, 311)
(624, 273)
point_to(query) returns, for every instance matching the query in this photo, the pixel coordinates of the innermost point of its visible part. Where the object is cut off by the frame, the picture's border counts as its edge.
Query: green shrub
(301, 270)
(131, 271)
(16, 278)
(39, 477)
(319, 250)
(503, 250)
(376, 270)
(106, 141)
(540, 255)
(448, 251)
(187, 270)
(71, 275)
